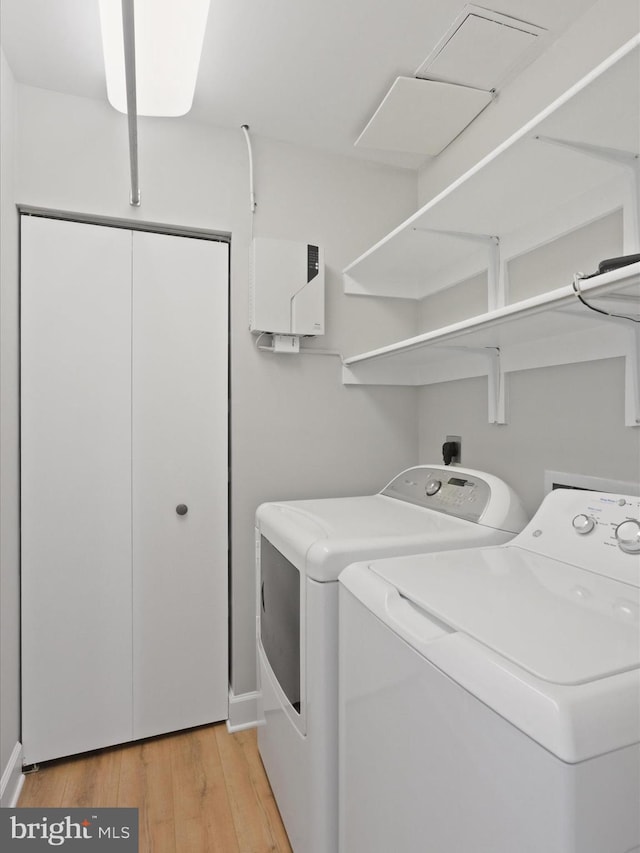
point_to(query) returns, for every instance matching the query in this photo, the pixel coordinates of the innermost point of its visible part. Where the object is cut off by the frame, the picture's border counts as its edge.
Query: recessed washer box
(286, 287)
(565, 480)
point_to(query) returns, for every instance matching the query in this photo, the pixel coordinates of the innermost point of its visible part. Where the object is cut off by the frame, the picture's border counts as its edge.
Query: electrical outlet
(457, 457)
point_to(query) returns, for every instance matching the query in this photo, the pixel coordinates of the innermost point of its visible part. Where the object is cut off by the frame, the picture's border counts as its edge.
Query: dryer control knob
(433, 486)
(628, 536)
(583, 524)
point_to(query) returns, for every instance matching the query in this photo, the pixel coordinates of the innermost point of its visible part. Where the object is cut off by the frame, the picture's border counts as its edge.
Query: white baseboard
(12, 779)
(243, 711)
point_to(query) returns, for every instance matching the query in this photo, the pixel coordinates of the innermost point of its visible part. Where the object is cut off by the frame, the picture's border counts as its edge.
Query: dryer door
(280, 619)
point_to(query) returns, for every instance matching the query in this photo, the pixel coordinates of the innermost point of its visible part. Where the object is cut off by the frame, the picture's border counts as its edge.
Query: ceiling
(307, 73)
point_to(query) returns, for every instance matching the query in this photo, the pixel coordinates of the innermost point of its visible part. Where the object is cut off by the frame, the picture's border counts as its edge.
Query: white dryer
(490, 698)
(301, 547)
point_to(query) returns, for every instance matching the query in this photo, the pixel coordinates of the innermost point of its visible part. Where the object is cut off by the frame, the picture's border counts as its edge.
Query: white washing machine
(490, 698)
(301, 547)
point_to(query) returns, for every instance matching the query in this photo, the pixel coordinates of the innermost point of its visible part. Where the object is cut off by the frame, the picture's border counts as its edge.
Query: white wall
(568, 418)
(9, 531)
(295, 429)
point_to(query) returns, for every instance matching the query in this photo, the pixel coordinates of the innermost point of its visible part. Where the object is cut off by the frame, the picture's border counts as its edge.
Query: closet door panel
(76, 487)
(180, 320)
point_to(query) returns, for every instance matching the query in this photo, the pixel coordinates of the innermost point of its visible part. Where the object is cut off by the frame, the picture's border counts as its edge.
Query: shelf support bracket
(632, 378)
(128, 31)
(496, 387)
(629, 161)
(497, 408)
(496, 291)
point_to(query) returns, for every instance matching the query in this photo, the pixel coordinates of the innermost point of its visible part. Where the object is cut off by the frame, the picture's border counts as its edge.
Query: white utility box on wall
(286, 288)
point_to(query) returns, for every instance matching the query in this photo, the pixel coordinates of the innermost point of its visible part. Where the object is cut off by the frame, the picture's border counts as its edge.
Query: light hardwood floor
(200, 791)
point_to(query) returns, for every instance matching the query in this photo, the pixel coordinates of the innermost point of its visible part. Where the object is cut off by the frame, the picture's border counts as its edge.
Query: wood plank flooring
(200, 791)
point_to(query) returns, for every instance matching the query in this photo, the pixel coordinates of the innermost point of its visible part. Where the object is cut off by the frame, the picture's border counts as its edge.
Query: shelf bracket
(627, 160)
(497, 409)
(496, 387)
(632, 378)
(496, 292)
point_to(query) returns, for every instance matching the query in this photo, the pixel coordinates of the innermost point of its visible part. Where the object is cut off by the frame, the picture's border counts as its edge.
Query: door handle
(182, 509)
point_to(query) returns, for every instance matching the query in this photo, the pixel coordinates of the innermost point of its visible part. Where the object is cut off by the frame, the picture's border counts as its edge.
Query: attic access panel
(422, 116)
(424, 113)
(482, 48)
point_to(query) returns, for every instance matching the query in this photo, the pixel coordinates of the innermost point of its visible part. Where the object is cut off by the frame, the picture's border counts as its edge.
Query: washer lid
(560, 623)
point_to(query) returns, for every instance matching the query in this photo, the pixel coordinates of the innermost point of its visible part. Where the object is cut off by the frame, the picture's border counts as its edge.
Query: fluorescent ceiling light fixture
(168, 38)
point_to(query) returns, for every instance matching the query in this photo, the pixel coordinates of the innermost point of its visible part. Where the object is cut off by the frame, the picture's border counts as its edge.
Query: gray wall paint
(568, 418)
(9, 531)
(555, 264)
(296, 430)
(466, 299)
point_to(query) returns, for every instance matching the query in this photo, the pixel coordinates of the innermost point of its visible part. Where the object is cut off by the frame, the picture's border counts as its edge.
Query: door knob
(182, 509)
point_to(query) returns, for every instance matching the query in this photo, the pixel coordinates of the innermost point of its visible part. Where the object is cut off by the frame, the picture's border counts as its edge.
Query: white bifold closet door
(75, 383)
(180, 322)
(124, 418)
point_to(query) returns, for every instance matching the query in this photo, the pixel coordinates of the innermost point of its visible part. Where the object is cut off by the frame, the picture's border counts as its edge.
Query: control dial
(628, 536)
(583, 524)
(433, 486)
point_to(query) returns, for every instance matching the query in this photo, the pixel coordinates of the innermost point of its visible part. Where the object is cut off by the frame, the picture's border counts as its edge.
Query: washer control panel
(448, 490)
(597, 531)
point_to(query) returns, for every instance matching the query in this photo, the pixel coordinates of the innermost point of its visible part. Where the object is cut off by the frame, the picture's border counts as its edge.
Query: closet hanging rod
(128, 31)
